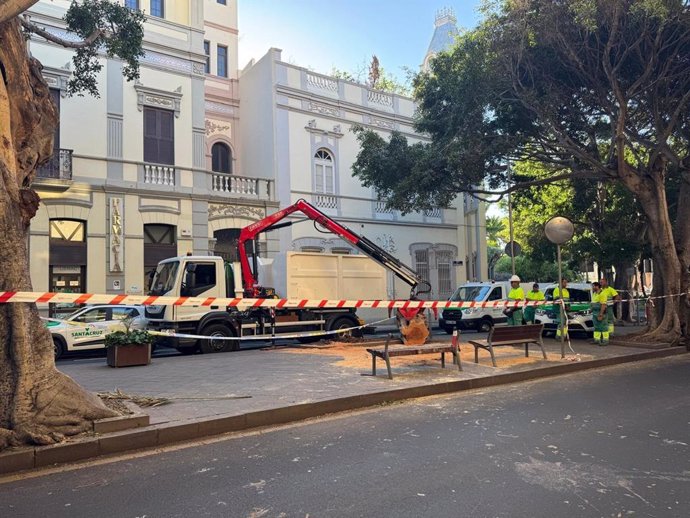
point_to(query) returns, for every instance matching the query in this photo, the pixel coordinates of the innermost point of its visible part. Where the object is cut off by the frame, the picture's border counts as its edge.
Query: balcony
(158, 174)
(325, 201)
(241, 186)
(59, 167)
(382, 211)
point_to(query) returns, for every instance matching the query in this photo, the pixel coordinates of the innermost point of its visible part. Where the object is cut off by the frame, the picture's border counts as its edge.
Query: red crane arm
(271, 222)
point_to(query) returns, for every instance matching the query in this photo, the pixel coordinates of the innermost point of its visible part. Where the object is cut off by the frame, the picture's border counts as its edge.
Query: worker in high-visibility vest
(561, 315)
(611, 295)
(534, 294)
(515, 293)
(601, 327)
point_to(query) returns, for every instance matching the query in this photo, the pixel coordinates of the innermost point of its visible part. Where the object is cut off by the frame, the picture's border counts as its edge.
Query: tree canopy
(594, 90)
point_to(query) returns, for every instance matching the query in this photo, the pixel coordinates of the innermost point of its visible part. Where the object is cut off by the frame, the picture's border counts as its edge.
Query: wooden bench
(387, 352)
(510, 335)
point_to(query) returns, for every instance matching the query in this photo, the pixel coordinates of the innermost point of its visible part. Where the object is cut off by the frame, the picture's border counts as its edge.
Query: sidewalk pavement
(219, 393)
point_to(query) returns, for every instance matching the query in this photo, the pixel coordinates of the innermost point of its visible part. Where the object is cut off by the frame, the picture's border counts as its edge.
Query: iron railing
(59, 167)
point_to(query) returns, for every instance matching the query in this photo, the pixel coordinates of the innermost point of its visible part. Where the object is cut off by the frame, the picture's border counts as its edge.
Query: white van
(479, 319)
(579, 318)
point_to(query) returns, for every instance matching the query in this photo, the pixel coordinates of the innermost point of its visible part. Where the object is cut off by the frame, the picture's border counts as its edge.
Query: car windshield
(576, 295)
(164, 278)
(71, 316)
(469, 293)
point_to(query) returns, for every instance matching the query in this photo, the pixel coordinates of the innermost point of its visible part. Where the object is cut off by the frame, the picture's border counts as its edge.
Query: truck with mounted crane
(212, 277)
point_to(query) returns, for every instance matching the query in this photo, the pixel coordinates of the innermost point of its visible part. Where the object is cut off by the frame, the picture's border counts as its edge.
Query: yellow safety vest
(516, 294)
(535, 295)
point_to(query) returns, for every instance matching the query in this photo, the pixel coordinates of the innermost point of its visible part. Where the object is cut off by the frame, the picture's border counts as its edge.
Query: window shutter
(166, 141)
(328, 174)
(150, 135)
(318, 179)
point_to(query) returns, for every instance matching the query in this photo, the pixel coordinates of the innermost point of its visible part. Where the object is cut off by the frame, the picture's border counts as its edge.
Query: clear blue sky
(322, 34)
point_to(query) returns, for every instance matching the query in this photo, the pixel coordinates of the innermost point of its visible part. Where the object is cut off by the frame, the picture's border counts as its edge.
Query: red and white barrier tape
(92, 298)
(146, 300)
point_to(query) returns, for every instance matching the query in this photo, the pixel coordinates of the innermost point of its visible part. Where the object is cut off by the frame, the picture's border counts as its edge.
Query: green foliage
(382, 80)
(534, 270)
(129, 336)
(118, 33)
(495, 225)
(344, 75)
(124, 338)
(545, 82)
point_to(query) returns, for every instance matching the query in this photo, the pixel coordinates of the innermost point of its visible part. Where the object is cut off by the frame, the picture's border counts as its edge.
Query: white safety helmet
(514, 278)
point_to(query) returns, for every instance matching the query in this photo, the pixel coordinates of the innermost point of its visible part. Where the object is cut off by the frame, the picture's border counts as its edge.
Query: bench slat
(389, 352)
(510, 335)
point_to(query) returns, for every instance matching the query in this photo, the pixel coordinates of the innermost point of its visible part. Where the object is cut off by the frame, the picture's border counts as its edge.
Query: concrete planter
(129, 355)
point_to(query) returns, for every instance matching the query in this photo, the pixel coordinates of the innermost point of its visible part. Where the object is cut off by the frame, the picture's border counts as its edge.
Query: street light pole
(561, 307)
(510, 225)
(560, 230)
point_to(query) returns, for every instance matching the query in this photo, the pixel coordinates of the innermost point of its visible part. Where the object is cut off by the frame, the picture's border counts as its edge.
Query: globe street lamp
(560, 230)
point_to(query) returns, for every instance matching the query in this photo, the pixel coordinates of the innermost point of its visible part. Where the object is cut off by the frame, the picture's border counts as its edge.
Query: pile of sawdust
(355, 356)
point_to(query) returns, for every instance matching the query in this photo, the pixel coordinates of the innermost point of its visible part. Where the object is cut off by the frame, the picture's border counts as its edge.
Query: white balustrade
(159, 174)
(380, 207)
(382, 98)
(241, 185)
(322, 82)
(325, 201)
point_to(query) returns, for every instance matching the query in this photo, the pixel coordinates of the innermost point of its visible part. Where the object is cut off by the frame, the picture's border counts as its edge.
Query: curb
(169, 433)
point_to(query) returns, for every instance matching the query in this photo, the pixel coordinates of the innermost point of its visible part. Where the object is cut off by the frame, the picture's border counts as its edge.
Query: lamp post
(560, 230)
(510, 226)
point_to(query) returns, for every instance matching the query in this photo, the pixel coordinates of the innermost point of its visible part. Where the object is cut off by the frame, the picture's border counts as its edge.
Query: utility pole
(510, 225)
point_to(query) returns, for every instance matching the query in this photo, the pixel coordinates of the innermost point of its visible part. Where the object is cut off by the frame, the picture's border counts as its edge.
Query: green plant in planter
(129, 336)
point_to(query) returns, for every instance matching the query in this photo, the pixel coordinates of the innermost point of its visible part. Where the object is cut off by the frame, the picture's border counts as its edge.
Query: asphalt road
(609, 442)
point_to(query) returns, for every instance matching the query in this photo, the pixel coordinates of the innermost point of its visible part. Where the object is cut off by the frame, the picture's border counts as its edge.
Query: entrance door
(66, 279)
(67, 272)
(159, 244)
(226, 244)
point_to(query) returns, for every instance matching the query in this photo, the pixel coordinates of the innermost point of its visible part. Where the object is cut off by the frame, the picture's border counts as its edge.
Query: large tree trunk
(38, 404)
(650, 191)
(682, 234)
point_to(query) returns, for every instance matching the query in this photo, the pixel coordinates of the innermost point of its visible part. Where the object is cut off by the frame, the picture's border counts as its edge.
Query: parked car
(91, 324)
(579, 317)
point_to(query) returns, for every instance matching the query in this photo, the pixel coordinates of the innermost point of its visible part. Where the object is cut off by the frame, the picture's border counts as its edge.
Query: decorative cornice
(212, 127)
(381, 123)
(148, 96)
(217, 211)
(57, 78)
(231, 30)
(311, 127)
(323, 109)
(212, 106)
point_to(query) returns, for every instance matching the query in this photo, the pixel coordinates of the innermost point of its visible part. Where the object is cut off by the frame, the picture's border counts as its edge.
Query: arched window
(324, 172)
(221, 158)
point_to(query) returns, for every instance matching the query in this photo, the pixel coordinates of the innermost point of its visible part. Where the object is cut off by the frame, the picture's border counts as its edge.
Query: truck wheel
(58, 347)
(485, 325)
(343, 323)
(217, 346)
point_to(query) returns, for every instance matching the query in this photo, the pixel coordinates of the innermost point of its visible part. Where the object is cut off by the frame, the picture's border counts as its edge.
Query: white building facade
(296, 128)
(149, 169)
